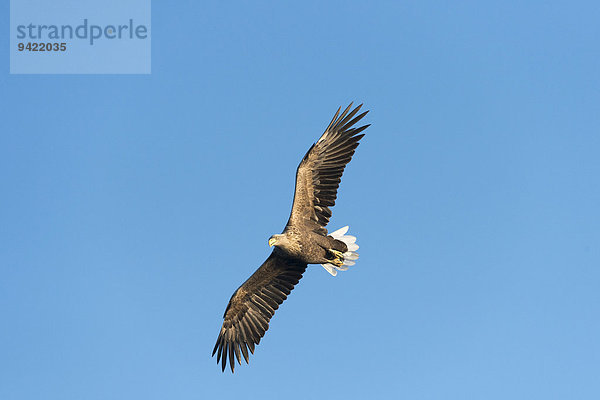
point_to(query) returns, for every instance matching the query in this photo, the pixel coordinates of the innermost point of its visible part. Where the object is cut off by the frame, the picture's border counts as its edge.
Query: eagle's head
(275, 240)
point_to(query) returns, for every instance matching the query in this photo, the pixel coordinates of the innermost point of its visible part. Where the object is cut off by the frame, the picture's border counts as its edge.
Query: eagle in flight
(303, 241)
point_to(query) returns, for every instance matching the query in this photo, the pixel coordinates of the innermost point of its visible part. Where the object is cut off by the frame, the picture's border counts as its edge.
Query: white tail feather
(349, 257)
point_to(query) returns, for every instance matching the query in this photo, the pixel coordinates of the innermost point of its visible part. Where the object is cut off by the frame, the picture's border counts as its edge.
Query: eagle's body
(309, 247)
(303, 241)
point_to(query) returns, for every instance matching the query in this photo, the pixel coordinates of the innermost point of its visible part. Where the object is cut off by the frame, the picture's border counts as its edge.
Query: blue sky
(133, 206)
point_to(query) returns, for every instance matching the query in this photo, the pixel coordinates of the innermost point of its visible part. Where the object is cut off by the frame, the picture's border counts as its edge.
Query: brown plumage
(303, 241)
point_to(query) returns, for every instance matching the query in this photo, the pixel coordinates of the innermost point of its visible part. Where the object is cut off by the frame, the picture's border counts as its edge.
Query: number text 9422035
(34, 46)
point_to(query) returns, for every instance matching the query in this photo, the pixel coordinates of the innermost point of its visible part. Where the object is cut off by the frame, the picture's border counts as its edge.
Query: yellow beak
(271, 242)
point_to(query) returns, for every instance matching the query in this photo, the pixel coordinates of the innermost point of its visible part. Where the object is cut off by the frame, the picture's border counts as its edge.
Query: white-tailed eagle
(303, 241)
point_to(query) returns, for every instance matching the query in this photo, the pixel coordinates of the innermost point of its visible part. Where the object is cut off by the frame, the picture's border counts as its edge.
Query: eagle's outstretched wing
(247, 316)
(320, 171)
